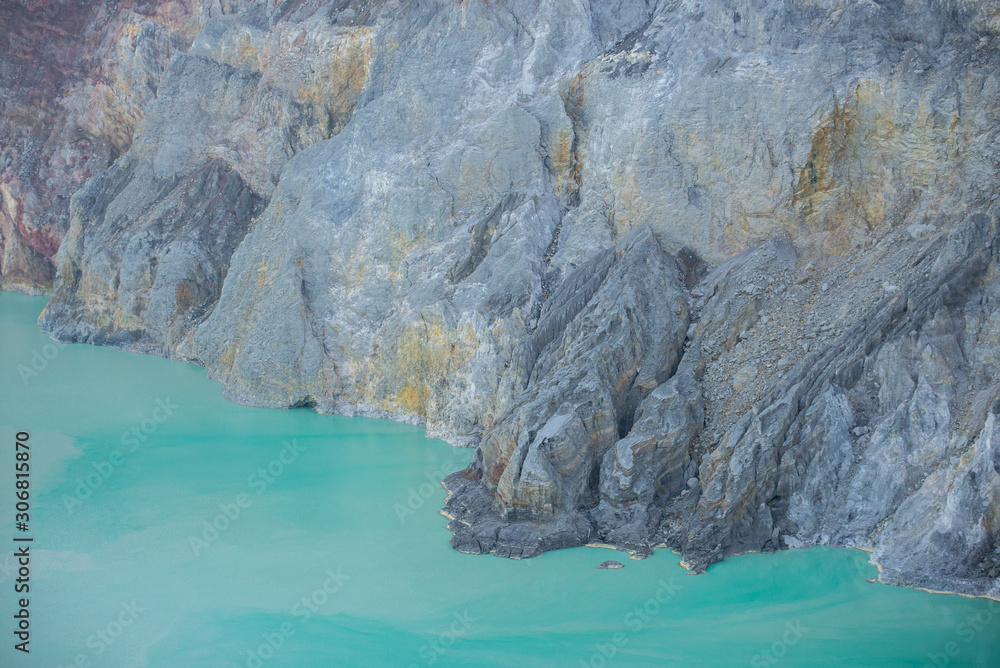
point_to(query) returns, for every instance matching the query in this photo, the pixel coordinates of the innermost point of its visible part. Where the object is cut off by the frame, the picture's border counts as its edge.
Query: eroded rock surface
(714, 276)
(75, 78)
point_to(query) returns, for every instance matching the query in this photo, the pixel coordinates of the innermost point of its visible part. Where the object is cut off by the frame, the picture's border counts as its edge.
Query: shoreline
(361, 410)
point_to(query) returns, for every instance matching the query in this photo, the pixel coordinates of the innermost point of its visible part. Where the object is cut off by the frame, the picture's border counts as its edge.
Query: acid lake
(173, 528)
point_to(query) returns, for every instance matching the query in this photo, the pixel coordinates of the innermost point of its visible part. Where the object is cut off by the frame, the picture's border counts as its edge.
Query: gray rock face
(879, 439)
(651, 464)
(609, 335)
(75, 78)
(714, 276)
(146, 284)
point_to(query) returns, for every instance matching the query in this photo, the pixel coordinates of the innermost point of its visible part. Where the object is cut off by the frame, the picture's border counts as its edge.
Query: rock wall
(74, 81)
(718, 276)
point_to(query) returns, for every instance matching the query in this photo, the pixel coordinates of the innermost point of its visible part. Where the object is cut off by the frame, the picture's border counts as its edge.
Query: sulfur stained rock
(75, 79)
(145, 289)
(683, 281)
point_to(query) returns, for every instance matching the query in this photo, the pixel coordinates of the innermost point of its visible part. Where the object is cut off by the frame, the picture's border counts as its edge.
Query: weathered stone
(683, 280)
(75, 79)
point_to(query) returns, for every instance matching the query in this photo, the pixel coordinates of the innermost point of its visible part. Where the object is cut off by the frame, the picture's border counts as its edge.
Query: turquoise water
(337, 556)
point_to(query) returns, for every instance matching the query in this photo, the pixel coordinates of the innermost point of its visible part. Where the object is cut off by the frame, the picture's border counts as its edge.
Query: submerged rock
(610, 564)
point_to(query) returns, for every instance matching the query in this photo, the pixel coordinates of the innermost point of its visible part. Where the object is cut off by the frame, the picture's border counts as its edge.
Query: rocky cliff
(716, 276)
(74, 80)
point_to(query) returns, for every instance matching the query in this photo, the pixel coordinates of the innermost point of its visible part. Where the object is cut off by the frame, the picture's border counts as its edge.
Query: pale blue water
(121, 561)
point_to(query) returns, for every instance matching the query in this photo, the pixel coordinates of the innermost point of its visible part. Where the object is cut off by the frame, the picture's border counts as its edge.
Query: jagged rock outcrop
(609, 335)
(880, 438)
(651, 464)
(718, 276)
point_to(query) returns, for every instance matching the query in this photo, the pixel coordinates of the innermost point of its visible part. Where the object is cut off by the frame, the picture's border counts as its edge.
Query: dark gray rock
(609, 336)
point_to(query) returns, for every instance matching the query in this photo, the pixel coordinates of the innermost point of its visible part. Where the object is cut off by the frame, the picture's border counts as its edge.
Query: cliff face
(716, 276)
(74, 80)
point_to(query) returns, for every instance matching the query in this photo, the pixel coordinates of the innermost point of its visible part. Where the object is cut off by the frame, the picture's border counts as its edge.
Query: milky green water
(338, 556)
